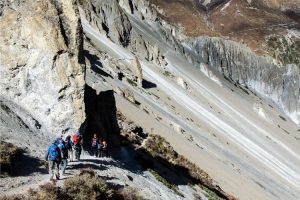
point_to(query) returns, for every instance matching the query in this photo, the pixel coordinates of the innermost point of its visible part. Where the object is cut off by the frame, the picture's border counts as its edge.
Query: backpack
(59, 140)
(76, 139)
(94, 142)
(63, 150)
(53, 153)
(68, 144)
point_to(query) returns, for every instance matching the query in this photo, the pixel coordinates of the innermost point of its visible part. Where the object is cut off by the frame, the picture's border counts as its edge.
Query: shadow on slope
(167, 168)
(96, 65)
(148, 85)
(17, 162)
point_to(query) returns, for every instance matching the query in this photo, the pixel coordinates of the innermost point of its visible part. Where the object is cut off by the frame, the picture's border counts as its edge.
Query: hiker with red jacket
(95, 142)
(53, 156)
(77, 141)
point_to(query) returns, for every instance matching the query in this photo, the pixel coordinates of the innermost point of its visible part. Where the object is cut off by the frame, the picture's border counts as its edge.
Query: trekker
(64, 156)
(104, 149)
(59, 139)
(69, 146)
(77, 140)
(53, 156)
(99, 148)
(95, 145)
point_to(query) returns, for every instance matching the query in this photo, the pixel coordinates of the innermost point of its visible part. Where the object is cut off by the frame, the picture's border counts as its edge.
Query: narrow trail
(121, 173)
(21, 184)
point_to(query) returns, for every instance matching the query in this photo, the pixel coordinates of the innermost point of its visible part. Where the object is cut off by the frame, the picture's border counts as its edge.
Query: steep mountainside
(218, 79)
(267, 48)
(213, 118)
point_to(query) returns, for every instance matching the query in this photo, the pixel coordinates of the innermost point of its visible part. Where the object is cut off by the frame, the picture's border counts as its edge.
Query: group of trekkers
(99, 147)
(61, 151)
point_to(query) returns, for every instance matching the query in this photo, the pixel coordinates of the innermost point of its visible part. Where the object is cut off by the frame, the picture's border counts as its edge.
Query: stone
(182, 83)
(137, 70)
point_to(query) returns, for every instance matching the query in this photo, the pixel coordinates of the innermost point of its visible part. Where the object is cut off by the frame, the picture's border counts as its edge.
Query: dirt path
(119, 174)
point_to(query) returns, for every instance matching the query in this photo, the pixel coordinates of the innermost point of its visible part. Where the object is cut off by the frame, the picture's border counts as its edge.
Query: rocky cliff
(41, 63)
(115, 20)
(239, 64)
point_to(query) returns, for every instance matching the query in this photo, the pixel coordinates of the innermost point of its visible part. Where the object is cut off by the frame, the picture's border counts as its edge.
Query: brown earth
(247, 23)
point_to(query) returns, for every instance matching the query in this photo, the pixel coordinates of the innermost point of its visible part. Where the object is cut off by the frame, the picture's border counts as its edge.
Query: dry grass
(165, 182)
(286, 51)
(157, 146)
(128, 193)
(8, 154)
(240, 22)
(87, 186)
(47, 191)
(13, 197)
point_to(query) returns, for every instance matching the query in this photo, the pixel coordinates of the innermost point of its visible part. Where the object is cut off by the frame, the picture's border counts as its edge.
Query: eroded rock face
(240, 65)
(111, 18)
(41, 63)
(107, 17)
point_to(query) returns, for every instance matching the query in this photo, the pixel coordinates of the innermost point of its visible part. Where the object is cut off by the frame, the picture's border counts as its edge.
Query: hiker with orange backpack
(77, 141)
(53, 156)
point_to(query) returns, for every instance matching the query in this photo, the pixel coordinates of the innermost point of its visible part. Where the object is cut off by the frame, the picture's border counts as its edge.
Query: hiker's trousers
(63, 165)
(54, 169)
(70, 154)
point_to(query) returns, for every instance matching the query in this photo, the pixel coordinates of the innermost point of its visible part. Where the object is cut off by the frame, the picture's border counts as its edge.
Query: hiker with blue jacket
(64, 156)
(69, 146)
(53, 156)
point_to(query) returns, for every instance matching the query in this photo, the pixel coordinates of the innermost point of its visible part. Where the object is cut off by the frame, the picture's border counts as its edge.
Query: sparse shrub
(158, 146)
(210, 195)
(283, 118)
(168, 74)
(129, 193)
(165, 182)
(13, 197)
(8, 154)
(87, 185)
(131, 82)
(47, 191)
(286, 51)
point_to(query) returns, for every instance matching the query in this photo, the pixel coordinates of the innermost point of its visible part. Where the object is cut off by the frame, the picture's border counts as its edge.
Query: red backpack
(76, 139)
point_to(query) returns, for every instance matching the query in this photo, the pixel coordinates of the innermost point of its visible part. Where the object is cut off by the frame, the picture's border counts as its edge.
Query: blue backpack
(63, 150)
(68, 144)
(53, 153)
